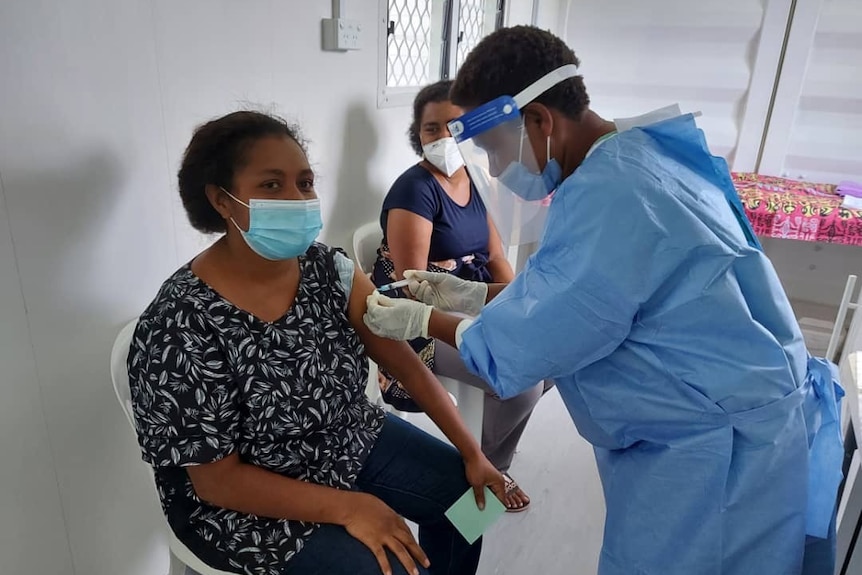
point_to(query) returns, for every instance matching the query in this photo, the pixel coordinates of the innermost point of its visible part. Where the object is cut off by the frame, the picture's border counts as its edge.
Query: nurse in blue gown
(652, 305)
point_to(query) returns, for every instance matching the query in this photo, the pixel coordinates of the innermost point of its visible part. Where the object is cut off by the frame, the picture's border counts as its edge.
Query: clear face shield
(503, 165)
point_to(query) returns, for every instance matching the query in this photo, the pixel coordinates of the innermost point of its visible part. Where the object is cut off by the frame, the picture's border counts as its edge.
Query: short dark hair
(510, 59)
(217, 149)
(430, 94)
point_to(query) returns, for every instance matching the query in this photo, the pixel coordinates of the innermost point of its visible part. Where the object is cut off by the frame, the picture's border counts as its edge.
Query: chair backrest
(120, 380)
(852, 341)
(847, 359)
(119, 371)
(366, 240)
(845, 305)
(849, 374)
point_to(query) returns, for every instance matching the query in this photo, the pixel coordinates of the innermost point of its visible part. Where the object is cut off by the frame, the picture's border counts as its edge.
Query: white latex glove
(398, 319)
(447, 292)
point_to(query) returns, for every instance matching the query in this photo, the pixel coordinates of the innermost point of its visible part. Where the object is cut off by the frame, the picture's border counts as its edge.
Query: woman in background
(433, 219)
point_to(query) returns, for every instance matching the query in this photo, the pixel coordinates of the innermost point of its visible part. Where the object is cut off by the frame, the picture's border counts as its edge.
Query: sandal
(513, 488)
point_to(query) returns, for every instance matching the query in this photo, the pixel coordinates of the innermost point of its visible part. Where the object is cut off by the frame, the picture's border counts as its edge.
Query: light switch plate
(341, 34)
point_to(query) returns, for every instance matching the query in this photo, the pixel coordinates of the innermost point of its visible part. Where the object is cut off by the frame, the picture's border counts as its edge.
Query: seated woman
(433, 218)
(248, 374)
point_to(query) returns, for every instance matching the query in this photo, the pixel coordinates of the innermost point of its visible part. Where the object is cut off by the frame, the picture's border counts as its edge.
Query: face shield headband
(503, 164)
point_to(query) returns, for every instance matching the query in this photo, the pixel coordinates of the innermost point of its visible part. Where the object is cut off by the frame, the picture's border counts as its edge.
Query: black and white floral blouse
(209, 379)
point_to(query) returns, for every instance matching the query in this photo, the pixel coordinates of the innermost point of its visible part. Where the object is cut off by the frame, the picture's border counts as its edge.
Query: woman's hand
(376, 526)
(480, 473)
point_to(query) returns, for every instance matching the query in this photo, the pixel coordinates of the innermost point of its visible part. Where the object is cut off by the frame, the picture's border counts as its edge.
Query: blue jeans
(419, 477)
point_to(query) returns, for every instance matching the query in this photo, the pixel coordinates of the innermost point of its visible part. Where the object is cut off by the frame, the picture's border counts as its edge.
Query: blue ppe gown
(674, 347)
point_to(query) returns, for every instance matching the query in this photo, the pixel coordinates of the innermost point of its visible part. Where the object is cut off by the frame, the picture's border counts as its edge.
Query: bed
(790, 209)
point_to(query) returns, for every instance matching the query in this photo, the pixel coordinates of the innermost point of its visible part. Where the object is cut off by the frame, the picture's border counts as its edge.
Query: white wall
(639, 56)
(722, 57)
(31, 518)
(815, 134)
(98, 100)
(826, 142)
(815, 131)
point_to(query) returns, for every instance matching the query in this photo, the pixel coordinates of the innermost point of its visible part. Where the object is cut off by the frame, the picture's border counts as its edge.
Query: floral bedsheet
(789, 209)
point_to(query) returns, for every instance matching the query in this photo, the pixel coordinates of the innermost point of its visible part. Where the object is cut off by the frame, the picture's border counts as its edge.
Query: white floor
(561, 533)
(816, 322)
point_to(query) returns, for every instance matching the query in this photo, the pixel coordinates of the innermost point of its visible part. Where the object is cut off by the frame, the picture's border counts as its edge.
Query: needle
(393, 286)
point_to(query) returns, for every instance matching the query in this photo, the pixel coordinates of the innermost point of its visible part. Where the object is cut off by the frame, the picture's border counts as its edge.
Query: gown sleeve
(603, 254)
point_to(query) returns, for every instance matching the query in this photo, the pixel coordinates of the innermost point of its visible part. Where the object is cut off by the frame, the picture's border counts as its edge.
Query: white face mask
(444, 155)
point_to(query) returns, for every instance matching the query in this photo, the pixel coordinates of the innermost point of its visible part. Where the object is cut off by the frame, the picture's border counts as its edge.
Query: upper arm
(409, 239)
(183, 393)
(501, 269)
(358, 302)
(412, 206)
(396, 356)
(207, 478)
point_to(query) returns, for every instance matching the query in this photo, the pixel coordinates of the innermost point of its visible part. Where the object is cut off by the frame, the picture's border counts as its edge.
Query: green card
(471, 522)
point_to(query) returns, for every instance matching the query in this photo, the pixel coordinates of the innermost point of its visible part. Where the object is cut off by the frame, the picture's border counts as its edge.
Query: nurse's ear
(538, 120)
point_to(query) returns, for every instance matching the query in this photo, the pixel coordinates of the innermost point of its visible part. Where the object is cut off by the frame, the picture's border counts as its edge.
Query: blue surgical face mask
(526, 184)
(280, 229)
(530, 186)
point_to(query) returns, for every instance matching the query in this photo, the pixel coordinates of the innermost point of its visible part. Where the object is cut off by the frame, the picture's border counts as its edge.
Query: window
(408, 43)
(473, 24)
(423, 41)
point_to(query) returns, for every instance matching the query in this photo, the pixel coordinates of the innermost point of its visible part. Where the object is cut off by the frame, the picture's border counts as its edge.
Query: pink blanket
(782, 208)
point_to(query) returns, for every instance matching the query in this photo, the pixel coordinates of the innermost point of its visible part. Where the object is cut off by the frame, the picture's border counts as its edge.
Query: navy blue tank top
(458, 231)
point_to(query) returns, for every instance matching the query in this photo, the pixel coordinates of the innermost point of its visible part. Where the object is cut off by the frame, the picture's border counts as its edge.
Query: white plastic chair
(366, 240)
(847, 342)
(180, 556)
(470, 400)
(849, 362)
(847, 304)
(850, 504)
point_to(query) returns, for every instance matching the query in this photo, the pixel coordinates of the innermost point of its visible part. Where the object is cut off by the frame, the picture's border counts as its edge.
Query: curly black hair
(510, 59)
(217, 149)
(430, 94)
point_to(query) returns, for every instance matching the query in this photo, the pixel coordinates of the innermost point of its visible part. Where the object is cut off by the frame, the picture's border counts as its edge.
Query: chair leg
(176, 566)
(471, 404)
(838, 328)
(470, 401)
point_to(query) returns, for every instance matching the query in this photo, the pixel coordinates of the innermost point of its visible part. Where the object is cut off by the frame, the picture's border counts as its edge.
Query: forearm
(443, 326)
(404, 264)
(427, 392)
(253, 490)
(434, 400)
(501, 271)
(403, 364)
(494, 290)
